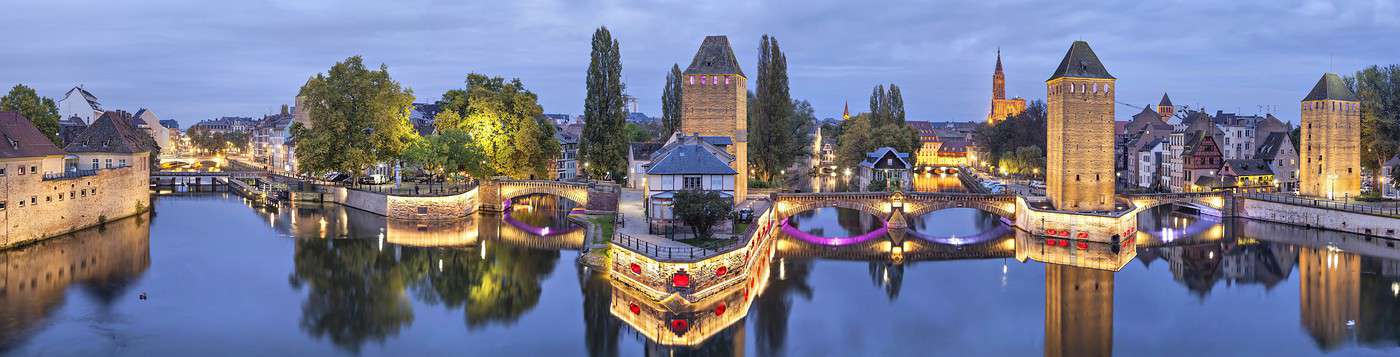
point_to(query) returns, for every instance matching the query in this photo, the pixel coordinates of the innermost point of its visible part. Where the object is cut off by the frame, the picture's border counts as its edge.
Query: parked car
(336, 177)
(744, 215)
(375, 179)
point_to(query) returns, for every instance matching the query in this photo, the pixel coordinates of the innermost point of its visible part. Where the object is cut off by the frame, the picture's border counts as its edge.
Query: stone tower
(1330, 146)
(1002, 107)
(714, 102)
(1165, 108)
(1079, 142)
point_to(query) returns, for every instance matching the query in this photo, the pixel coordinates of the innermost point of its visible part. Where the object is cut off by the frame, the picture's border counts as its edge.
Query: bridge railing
(1393, 210)
(659, 252)
(432, 189)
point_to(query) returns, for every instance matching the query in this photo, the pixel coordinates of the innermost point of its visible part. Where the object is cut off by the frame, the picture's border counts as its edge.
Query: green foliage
(778, 125)
(701, 210)
(43, 112)
(1379, 90)
(1025, 160)
(359, 117)
(878, 185)
(603, 146)
(1002, 140)
(671, 101)
(860, 135)
(210, 142)
(494, 127)
(637, 133)
(887, 107)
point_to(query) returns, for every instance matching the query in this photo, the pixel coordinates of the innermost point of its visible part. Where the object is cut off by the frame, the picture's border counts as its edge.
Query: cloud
(198, 60)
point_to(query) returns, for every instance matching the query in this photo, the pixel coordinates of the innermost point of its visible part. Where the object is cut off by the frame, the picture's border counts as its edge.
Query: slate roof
(87, 96)
(112, 133)
(1269, 149)
(1081, 62)
(22, 139)
(714, 57)
(1166, 101)
(690, 158)
(718, 140)
(1152, 145)
(1331, 87)
(873, 157)
(1248, 167)
(170, 123)
(643, 151)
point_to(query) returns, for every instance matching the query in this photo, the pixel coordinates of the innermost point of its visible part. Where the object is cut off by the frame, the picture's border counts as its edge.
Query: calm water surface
(220, 275)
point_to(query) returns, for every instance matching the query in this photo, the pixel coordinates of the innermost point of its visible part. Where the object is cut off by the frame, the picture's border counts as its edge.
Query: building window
(33, 169)
(122, 163)
(692, 183)
(2, 171)
(109, 163)
(21, 170)
(33, 200)
(2, 205)
(94, 164)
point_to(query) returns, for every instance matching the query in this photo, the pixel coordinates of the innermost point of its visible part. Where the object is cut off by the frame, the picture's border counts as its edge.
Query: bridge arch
(1003, 209)
(868, 207)
(573, 191)
(1204, 201)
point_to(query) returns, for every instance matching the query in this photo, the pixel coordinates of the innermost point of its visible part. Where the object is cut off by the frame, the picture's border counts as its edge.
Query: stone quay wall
(1316, 217)
(412, 208)
(59, 206)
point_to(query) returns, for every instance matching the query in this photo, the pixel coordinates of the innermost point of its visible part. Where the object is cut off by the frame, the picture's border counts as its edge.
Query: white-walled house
(885, 164)
(1390, 173)
(1150, 167)
(686, 162)
(79, 103)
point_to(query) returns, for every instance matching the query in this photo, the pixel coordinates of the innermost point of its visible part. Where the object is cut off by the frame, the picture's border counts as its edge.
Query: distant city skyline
(191, 62)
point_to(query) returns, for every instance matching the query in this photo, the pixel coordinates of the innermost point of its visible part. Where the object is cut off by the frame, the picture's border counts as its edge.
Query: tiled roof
(1331, 87)
(872, 158)
(1081, 62)
(1166, 101)
(111, 133)
(689, 159)
(714, 57)
(19, 138)
(1269, 149)
(1245, 167)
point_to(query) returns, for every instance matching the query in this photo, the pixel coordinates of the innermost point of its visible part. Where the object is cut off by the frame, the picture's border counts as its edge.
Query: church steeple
(846, 114)
(998, 80)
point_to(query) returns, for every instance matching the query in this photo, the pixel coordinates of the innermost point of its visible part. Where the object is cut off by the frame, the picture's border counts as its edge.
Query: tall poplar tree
(777, 133)
(896, 105)
(671, 102)
(603, 147)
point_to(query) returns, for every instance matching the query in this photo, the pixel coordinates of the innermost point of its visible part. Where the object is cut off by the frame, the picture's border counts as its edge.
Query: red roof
(22, 139)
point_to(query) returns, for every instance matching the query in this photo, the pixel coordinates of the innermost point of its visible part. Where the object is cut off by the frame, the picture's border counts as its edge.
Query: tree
(671, 101)
(359, 117)
(895, 104)
(778, 126)
(883, 126)
(701, 210)
(504, 124)
(1379, 91)
(1007, 136)
(602, 147)
(41, 111)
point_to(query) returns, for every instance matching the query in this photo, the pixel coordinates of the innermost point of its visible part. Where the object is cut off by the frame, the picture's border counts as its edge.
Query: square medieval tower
(714, 102)
(1079, 172)
(1330, 146)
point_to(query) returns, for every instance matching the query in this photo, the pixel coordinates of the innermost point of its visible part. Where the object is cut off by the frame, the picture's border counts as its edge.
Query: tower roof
(1331, 87)
(1166, 101)
(714, 57)
(846, 113)
(998, 70)
(1081, 62)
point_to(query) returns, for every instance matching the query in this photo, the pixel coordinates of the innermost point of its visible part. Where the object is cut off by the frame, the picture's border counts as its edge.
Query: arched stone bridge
(1209, 203)
(593, 196)
(884, 204)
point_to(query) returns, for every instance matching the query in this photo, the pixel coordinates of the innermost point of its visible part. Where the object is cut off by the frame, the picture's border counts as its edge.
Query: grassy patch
(740, 228)
(606, 225)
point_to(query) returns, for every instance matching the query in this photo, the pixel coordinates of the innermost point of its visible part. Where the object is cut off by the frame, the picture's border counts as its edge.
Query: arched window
(692, 79)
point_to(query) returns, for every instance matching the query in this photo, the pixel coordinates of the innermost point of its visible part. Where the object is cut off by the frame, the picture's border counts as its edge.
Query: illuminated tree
(360, 118)
(506, 126)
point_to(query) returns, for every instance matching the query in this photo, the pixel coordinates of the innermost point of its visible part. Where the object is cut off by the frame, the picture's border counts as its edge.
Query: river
(212, 272)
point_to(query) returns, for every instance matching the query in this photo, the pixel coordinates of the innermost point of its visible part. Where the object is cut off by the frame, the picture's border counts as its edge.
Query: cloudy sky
(193, 60)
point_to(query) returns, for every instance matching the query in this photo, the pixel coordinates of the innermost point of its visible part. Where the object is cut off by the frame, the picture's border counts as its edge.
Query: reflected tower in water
(1078, 311)
(1329, 286)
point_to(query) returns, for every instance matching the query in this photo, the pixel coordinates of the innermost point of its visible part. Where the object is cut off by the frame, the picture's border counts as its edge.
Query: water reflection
(843, 183)
(353, 282)
(835, 222)
(102, 263)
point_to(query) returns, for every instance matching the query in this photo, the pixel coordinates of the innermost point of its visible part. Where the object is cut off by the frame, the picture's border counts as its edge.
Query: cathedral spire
(998, 80)
(846, 114)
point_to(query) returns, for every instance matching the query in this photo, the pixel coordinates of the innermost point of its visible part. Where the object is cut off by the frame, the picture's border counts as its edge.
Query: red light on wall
(636, 269)
(680, 280)
(679, 326)
(721, 271)
(1083, 235)
(1083, 245)
(719, 310)
(635, 309)
(1064, 233)
(1049, 232)
(1050, 242)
